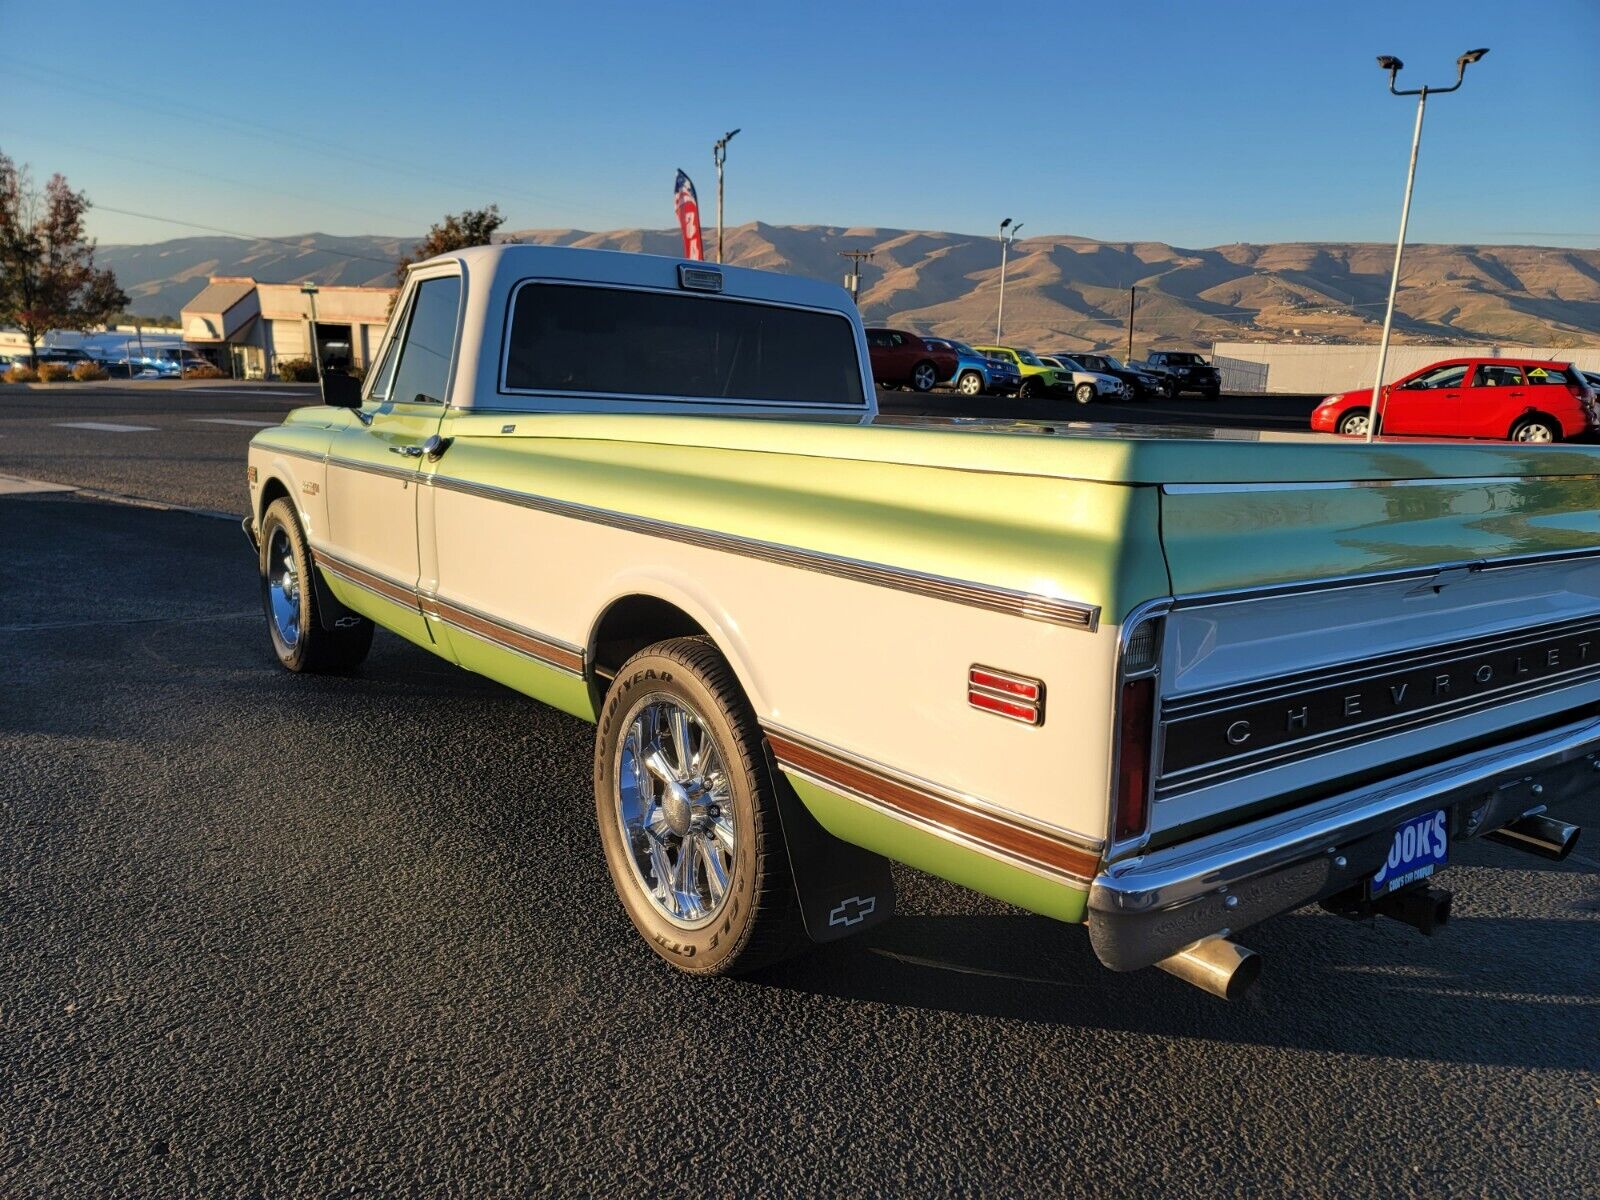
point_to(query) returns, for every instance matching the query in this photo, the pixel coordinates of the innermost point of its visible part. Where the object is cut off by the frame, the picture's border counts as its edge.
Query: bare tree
(48, 279)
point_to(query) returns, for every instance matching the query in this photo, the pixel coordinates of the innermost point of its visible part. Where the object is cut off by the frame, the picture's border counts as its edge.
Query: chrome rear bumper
(1143, 909)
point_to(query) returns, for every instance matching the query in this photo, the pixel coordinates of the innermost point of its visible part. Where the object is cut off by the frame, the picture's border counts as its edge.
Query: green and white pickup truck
(1164, 686)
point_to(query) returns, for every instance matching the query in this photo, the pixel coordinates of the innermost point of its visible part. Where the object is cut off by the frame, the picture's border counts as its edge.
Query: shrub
(203, 371)
(297, 370)
(89, 372)
(21, 374)
(54, 372)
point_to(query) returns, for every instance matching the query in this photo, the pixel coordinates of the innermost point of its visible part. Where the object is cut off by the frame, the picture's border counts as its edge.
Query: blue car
(977, 374)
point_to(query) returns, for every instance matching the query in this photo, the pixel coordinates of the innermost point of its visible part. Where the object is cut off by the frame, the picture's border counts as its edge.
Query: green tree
(48, 279)
(474, 227)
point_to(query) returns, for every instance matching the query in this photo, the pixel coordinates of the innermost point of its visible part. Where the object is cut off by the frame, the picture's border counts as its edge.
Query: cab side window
(1497, 375)
(423, 371)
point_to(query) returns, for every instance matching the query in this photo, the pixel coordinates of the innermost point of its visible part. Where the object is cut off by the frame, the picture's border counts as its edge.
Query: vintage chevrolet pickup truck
(1164, 686)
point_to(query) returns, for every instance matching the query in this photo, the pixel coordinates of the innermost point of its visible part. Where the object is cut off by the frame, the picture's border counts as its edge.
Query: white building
(251, 327)
(1287, 368)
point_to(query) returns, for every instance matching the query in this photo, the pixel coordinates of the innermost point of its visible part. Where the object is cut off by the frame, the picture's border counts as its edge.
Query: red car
(1523, 400)
(899, 358)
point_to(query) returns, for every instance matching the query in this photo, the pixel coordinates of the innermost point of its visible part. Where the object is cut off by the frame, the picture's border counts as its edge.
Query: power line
(182, 170)
(180, 110)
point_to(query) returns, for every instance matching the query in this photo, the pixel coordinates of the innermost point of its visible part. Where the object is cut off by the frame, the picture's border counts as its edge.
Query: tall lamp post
(719, 155)
(1393, 65)
(1005, 245)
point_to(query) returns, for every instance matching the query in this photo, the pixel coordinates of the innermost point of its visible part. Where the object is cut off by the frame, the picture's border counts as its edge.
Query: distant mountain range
(1061, 292)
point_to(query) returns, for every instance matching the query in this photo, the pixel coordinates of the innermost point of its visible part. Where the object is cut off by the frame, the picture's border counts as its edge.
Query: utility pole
(853, 280)
(1393, 65)
(1005, 245)
(310, 290)
(1133, 298)
(719, 155)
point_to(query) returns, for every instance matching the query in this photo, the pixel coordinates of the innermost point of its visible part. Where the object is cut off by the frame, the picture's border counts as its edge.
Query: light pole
(1393, 65)
(310, 290)
(719, 155)
(1133, 298)
(1005, 245)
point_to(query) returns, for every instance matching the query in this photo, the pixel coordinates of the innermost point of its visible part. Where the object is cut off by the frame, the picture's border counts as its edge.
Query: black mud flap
(842, 889)
(331, 612)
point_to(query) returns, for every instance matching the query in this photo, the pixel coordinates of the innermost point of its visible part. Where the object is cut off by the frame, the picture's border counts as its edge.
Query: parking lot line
(13, 485)
(105, 426)
(247, 391)
(234, 421)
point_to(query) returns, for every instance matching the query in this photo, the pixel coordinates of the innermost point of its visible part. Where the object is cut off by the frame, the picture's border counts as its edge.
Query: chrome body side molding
(1030, 606)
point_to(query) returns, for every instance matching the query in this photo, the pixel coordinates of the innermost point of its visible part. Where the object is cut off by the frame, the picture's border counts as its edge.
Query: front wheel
(1535, 429)
(1354, 423)
(1084, 393)
(970, 384)
(289, 596)
(1028, 390)
(688, 813)
(923, 376)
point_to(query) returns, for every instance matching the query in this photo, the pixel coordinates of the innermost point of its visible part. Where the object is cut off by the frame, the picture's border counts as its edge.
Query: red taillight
(1133, 756)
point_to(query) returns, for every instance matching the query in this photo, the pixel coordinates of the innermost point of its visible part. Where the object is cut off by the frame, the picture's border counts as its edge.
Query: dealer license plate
(1421, 846)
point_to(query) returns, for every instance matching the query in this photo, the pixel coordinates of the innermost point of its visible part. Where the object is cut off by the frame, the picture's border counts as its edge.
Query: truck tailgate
(1324, 632)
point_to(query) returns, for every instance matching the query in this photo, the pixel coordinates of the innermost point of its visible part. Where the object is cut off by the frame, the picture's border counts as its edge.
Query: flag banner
(687, 206)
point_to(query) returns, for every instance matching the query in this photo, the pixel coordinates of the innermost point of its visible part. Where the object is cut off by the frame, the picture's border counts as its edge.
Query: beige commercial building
(249, 327)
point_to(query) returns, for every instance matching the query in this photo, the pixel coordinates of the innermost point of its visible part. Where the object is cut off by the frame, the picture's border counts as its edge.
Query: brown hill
(1061, 292)
(1072, 293)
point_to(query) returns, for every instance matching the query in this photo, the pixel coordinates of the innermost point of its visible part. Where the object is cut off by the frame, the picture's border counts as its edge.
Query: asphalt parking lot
(264, 934)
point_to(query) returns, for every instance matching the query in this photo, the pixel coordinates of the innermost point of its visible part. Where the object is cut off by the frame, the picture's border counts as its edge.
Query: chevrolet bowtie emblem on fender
(852, 911)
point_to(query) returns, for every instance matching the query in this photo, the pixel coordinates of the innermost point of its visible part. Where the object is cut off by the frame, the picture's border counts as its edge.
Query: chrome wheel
(1085, 393)
(675, 808)
(283, 587)
(1534, 431)
(1355, 425)
(923, 377)
(971, 384)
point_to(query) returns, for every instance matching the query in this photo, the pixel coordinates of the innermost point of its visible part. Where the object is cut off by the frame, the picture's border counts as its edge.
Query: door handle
(408, 451)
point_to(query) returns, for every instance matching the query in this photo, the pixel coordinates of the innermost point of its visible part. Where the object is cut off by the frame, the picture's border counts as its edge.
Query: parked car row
(157, 362)
(901, 358)
(1520, 400)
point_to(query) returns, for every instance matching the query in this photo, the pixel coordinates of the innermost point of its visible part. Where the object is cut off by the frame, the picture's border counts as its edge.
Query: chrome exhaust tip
(1225, 969)
(1541, 835)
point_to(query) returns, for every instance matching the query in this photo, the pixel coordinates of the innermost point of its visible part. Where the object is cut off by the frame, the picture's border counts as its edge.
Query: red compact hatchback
(1520, 400)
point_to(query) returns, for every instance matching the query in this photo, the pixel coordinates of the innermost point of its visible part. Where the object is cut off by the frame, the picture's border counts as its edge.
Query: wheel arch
(646, 610)
(273, 488)
(1537, 414)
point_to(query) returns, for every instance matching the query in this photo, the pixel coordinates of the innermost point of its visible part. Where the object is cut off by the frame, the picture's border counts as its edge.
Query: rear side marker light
(1133, 756)
(1016, 696)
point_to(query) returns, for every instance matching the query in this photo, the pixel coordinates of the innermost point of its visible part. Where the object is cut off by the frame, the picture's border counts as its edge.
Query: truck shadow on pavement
(1486, 990)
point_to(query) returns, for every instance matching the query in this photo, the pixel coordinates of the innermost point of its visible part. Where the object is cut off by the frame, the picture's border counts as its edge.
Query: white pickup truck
(1163, 684)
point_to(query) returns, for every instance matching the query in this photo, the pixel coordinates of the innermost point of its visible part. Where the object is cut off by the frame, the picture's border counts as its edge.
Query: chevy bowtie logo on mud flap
(852, 911)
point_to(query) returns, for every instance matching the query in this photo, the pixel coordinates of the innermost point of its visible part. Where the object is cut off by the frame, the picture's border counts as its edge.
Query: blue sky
(1196, 123)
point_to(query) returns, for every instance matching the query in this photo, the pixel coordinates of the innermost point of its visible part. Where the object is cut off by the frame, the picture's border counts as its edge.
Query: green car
(1037, 379)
